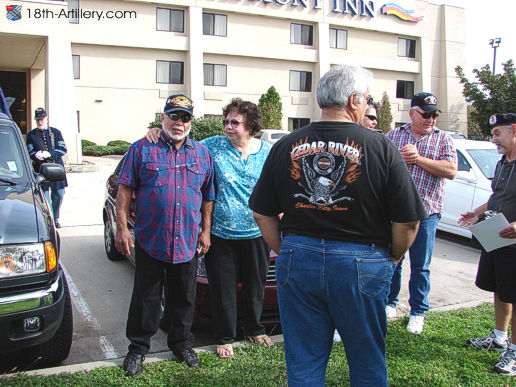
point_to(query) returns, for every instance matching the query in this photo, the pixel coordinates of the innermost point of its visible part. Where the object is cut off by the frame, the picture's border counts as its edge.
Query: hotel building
(103, 69)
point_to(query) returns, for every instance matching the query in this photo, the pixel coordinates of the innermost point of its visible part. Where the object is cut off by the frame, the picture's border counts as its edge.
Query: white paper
(487, 232)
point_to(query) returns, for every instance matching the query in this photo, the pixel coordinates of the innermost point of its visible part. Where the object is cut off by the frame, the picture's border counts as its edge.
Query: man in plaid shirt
(173, 183)
(431, 158)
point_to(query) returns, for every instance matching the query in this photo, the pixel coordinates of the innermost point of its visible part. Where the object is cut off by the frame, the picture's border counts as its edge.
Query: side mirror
(52, 172)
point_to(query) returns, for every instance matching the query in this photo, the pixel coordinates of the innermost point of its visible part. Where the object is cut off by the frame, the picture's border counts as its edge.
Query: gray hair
(336, 86)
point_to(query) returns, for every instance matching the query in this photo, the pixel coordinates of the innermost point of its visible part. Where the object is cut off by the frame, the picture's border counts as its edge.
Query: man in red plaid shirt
(173, 184)
(431, 158)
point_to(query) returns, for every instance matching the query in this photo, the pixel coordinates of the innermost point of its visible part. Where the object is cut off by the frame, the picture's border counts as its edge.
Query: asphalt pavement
(453, 266)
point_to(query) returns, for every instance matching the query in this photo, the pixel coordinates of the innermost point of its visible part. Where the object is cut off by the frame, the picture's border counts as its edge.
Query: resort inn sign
(352, 7)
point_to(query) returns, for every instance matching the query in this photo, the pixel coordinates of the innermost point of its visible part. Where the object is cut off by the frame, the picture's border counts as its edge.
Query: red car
(202, 318)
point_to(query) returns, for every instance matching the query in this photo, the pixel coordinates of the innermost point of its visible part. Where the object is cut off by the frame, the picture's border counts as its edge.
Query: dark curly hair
(250, 111)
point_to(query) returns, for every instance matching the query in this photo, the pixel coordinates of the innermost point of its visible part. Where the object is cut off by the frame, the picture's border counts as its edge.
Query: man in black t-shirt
(497, 268)
(351, 210)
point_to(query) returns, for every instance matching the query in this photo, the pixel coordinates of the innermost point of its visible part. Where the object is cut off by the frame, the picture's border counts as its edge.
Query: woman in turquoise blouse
(238, 252)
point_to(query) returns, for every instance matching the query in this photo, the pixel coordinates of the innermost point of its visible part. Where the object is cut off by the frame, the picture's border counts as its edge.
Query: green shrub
(119, 149)
(155, 124)
(87, 143)
(205, 127)
(118, 142)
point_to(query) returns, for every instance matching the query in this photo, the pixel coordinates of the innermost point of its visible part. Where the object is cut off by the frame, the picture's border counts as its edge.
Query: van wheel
(109, 243)
(55, 350)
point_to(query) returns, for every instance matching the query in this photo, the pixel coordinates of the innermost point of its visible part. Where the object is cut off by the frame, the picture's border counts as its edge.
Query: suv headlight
(34, 258)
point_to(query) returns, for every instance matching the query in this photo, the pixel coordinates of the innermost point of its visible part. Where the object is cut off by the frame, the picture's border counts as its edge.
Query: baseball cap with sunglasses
(183, 117)
(427, 115)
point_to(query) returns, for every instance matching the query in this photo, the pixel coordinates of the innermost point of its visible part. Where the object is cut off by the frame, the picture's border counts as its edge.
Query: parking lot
(101, 289)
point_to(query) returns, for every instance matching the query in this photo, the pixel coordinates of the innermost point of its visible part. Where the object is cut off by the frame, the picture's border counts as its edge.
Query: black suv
(35, 306)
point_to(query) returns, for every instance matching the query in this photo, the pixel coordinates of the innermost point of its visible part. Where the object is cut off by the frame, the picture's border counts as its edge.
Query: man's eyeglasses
(183, 117)
(426, 116)
(371, 117)
(231, 122)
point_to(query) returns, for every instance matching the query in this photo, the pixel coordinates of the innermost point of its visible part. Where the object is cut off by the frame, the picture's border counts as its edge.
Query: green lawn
(438, 357)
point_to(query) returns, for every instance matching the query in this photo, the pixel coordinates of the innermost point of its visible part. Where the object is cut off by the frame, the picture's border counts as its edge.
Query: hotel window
(214, 24)
(169, 20)
(296, 123)
(301, 34)
(405, 89)
(169, 72)
(407, 47)
(73, 5)
(76, 64)
(215, 74)
(338, 38)
(300, 80)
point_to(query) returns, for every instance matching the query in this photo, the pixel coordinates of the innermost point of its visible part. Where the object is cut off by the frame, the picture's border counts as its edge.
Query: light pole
(494, 43)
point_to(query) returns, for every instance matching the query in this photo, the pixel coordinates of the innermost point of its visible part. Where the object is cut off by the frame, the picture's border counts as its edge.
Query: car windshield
(486, 160)
(277, 136)
(11, 161)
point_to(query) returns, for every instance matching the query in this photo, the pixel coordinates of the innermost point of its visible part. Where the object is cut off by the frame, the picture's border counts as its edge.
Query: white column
(61, 105)
(323, 63)
(195, 86)
(426, 67)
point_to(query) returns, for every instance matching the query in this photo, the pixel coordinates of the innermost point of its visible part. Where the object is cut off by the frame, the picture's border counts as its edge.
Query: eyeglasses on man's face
(233, 122)
(183, 117)
(426, 116)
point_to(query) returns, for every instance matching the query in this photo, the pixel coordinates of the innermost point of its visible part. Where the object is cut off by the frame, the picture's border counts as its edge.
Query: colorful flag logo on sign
(14, 12)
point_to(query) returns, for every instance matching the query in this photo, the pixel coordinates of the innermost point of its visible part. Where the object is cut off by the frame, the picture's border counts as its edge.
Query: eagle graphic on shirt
(323, 171)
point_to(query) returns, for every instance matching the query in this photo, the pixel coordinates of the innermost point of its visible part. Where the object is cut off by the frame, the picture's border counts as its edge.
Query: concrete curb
(150, 358)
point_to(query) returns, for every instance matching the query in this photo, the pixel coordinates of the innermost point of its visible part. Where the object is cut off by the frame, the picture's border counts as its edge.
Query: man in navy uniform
(46, 145)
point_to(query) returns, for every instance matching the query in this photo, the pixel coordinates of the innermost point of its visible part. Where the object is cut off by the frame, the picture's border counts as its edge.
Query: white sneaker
(336, 337)
(415, 324)
(390, 311)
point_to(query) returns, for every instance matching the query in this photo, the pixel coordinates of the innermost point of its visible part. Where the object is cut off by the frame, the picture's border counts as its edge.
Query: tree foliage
(384, 114)
(205, 127)
(271, 106)
(201, 128)
(488, 95)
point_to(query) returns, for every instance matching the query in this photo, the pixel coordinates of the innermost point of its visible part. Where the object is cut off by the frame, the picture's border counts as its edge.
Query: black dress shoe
(58, 225)
(189, 357)
(133, 364)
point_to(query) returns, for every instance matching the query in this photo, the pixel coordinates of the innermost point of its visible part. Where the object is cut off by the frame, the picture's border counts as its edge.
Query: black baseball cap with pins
(426, 101)
(178, 102)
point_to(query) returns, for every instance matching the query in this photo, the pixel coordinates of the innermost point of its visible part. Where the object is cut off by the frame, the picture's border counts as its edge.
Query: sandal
(262, 340)
(225, 351)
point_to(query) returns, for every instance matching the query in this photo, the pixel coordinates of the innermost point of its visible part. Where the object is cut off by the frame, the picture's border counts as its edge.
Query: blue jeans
(326, 285)
(420, 258)
(55, 199)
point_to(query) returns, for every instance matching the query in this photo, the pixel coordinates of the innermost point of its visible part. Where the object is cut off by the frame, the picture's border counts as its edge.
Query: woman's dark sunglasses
(372, 118)
(426, 116)
(183, 117)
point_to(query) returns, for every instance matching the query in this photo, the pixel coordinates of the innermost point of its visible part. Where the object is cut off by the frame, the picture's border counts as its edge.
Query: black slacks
(228, 262)
(144, 310)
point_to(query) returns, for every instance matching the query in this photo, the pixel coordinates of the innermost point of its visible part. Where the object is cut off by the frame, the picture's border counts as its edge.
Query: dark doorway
(14, 85)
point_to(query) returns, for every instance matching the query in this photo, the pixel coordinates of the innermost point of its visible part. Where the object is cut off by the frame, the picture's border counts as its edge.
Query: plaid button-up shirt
(436, 145)
(170, 184)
